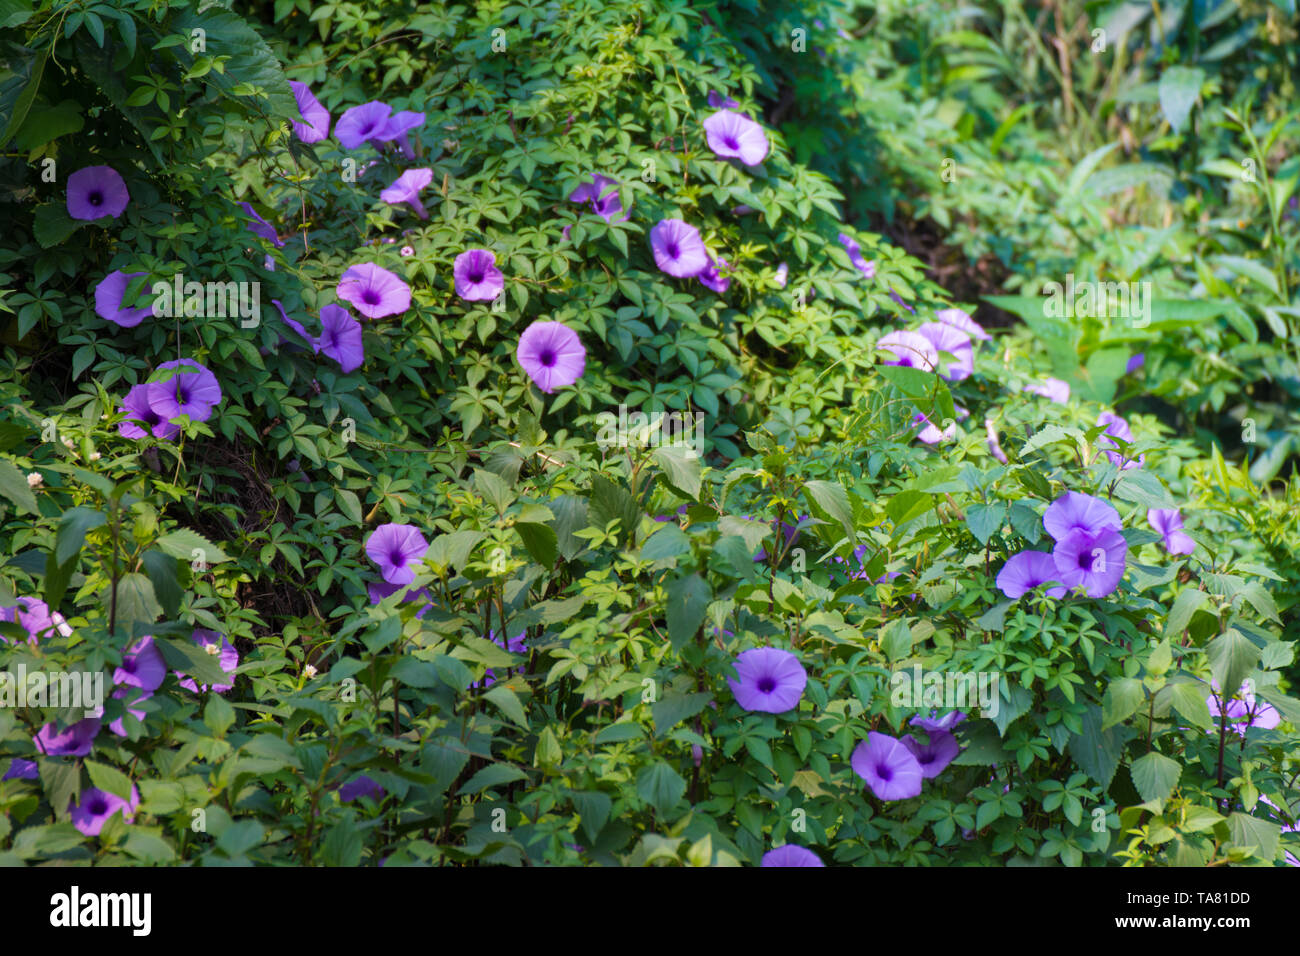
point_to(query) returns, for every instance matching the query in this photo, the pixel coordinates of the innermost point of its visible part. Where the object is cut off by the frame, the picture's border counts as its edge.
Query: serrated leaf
(1155, 775)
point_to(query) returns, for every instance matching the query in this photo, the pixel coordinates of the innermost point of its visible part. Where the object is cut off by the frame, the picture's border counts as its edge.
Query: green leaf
(52, 225)
(187, 657)
(14, 13)
(136, 602)
(48, 124)
(1124, 696)
(668, 541)
(507, 703)
(493, 775)
(1098, 751)
(1179, 88)
(1252, 831)
(832, 501)
(897, 640)
(72, 531)
(35, 65)
(541, 542)
(109, 779)
(13, 485)
(682, 470)
(485, 652)
(218, 715)
(985, 521)
(164, 574)
(688, 599)
(660, 786)
(1155, 775)
(182, 543)
(1189, 700)
(593, 810)
(1180, 615)
(673, 709)
(1232, 657)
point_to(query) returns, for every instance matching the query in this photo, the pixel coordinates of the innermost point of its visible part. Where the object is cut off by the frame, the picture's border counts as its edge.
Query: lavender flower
(910, 350)
(938, 725)
(1094, 562)
(782, 272)
(890, 769)
(770, 680)
(316, 119)
(96, 191)
(1169, 523)
(399, 127)
(406, 189)
(868, 269)
(1136, 362)
(678, 248)
(133, 695)
(477, 277)
(733, 136)
(1074, 511)
(227, 655)
(712, 276)
(995, 446)
(142, 666)
(719, 101)
(930, 433)
(95, 808)
(374, 291)
(959, 319)
(75, 740)
(1243, 709)
(396, 548)
(1053, 389)
(34, 616)
(363, 123)
(934, 756)
(948, 338)
(601, 194)
(22, 769)
(361, 786)
(791, 855)
(340, 338)
(108, 300)
(1117, 427)
(552, 355)
(1027, 570)
(259, 226)
(190, 390)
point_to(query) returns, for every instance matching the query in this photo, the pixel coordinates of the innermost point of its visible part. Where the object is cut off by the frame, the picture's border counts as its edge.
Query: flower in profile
(378, 590)
(292, 323)
(552, 355)
(34, 616)
(934, 756)
(950, 339)
(678, 248)
(95, 807)
(899, 299)
(791, 855)
(1136, 362)
(191, 389)
(782, 272)
(142, 666)
(601, 194)
(374, 291)
(960, 319)
(1094, 562)
(226, 653)
(930, 433)
(74, 740)
(406, 189)
(889, 768)
(770, 680)
(910, 350)
(1118, 428)
(1075, 511)
(21, 768)
(1052, 389)
(938, 725)
(732, 135)
(477, 277)
(995, 446)
(96, 191)
(398, 128)
(712, 277)
(396, 549)
(1168, 522)
(259, 226)
(133, 695)
(363, 123)
(514, 646)
(138, 406)
(361, 786)
(340, 338)
(720, 101)
(1242, 711)
(868, 269)
(316, 119)
(1027, 570)
(108, 300)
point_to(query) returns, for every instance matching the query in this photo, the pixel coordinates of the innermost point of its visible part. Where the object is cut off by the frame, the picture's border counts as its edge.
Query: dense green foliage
(612, 737)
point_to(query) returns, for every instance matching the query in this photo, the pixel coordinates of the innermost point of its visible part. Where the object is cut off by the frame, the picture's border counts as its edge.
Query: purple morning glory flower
(1075, 511)
(1117, 427)
(362, 786)
(316, 119)
(108, 300)
(948, 338)
(22, 769)
(1053, 389)
(477, 277)
(374, 291)
(770, 680)
(734, 136)
(1136, 362)
(678, 248)
(899, 299)
(791, 855)
(1169, 523)
(782, 272)
(118, 726)
(396, 548)
(143, 666)
(96, 191)
(930, 433)
(934, 756)
(720, 102)
(228, 656)
(1243, 709)
(259, 226)
(890, 769)
(292, 323)
(960, 319)
(33, 615)
(552, 355)
(712, 276)
(938, 725)
(398, 128)
(362, 123)
(1094, 562)
(1025, 571)
(192, 390)
(515, 646)
(910, 350)
(95, 808)
(406, 189)
(601, 194)
(868, 269)
(995, 446)
(139, 407)
(340, 338)
(74, 740)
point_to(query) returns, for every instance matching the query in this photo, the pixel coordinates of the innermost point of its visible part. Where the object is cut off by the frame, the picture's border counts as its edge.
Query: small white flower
(68, 442)
(310, 671)
(34, 480)
(212, 648)
(95, 456)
